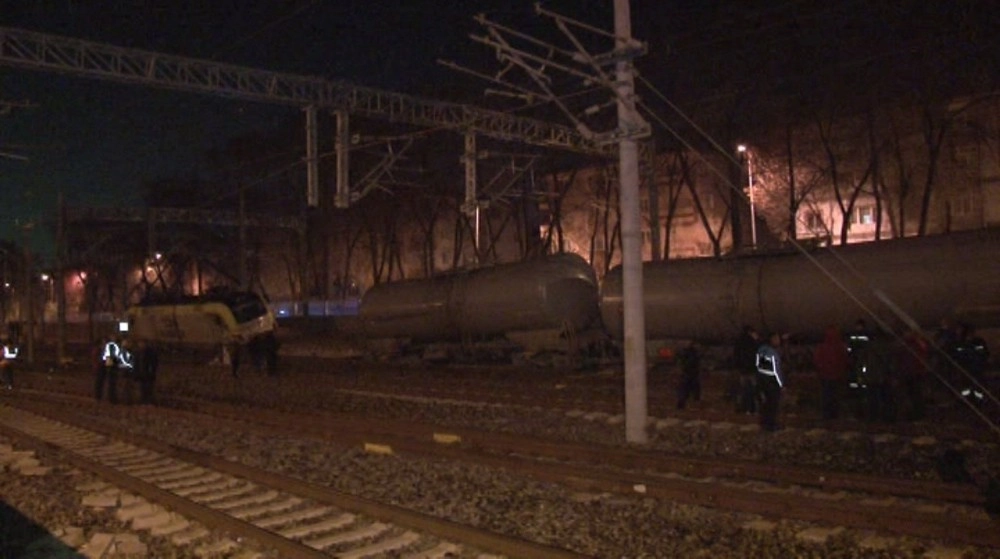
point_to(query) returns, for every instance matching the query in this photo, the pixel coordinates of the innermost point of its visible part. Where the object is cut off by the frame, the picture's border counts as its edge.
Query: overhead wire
(264, 28)
(879, 295)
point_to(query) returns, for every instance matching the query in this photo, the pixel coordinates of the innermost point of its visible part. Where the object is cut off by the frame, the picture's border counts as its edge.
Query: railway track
(889, 506)
(921, 509)
(924, 509)
(180, 491)
(604, 394)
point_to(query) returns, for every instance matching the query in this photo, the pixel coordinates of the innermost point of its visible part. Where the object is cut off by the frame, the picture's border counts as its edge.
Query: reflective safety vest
(768, 363)
(858, 338)
(125, 359)
(112, 354)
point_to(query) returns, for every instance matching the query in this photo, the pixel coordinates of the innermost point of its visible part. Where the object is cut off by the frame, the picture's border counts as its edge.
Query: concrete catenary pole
(629, 123)
(59, 281)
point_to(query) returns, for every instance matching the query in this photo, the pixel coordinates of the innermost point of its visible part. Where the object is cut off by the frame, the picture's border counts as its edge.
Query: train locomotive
(708, 299)
(207, 321)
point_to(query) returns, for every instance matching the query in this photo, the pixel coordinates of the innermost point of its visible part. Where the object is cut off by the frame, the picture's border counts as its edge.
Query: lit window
(814, 220)
(864, 215)
(964, 205)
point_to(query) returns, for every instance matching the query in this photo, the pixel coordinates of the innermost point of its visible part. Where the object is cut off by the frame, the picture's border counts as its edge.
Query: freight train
(927, 278)
(557, 303)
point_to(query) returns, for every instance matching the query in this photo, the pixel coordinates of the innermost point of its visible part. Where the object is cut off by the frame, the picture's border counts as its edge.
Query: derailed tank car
(929, 278)
(533, 305)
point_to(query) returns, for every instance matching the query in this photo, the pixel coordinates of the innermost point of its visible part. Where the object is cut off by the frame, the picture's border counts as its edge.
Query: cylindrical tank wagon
(555, 294)
(929, 278)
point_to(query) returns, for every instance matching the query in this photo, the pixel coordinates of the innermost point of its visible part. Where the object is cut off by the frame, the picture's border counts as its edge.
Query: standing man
(876, 362)
(10, 352)
(270, 348)
(232, 349)
(832, 361)
(769, 381)
(126, 368)
(146, 363)
(745, 361)
(111, 357)
(690, 383)
(100, 368)
(972, 355)
(857, 340)
(913, 364)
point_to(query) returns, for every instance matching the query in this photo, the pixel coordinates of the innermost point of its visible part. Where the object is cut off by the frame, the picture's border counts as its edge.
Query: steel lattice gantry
(182, 215)
(40, 51)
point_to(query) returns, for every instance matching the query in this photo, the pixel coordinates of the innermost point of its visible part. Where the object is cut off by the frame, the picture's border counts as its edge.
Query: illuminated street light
(753, 210)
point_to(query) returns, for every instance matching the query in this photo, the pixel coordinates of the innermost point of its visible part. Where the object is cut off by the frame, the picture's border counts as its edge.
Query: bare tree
(847, 186)
(688, 175)
(672, 178)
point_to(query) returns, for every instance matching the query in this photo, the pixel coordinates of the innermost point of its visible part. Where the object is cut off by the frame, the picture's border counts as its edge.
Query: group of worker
(884, 376)
(760, 375)
(887, 376)
(116, 358)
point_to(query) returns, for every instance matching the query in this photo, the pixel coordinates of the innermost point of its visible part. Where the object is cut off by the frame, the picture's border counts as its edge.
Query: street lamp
(753, 210)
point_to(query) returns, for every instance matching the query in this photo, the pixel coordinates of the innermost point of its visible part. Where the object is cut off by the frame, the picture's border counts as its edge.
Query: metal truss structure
(40, 51)
(181, 215)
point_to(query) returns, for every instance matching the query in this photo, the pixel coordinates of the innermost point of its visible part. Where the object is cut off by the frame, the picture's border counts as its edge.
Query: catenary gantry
(40, 51)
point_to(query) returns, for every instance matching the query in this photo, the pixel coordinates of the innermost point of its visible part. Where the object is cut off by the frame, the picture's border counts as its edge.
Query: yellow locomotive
(214, 319)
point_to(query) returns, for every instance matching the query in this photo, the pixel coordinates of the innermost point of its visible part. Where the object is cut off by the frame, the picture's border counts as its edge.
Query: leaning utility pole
(612, 72)
(59, 280)
(630, 128)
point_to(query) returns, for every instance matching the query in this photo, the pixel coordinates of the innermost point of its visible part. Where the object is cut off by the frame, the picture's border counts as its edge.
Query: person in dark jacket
(832, 362)
(233, 350)
(111, 358)
(857, 339)
(913, 365)
(147, 363)
(877, 367)
(269, 346)
(690, 381)
(971, 355)
(745, 361)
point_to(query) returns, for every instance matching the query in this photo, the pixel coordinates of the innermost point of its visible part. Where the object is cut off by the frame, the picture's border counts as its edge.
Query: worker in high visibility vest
(10, 352)
(111, 361)
(769, 381)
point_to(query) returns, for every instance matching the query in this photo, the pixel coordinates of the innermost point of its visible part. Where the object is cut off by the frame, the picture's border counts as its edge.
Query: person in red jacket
(832, 363)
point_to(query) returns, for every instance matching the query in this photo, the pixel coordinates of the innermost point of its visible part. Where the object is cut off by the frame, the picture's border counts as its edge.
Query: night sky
(98, 142)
